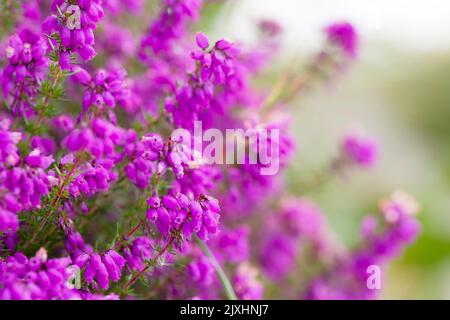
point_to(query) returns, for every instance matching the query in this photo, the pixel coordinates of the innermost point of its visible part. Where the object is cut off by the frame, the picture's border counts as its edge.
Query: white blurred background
(412, 24)
(398, 91)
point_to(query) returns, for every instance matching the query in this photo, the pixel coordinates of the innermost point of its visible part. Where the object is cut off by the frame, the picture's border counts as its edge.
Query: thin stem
(334, 169)
(141, 273)
(129, 234)
(47, 97)
(52, 205)
(229, 291)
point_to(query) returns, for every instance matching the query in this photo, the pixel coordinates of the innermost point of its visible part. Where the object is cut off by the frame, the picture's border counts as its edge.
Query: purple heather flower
(114, 263)
(202, 41)
(402, 226)
(400, 204)
(179, 212)
(8, 221)
(302, 218)
(31, 10)
(360, 150)
(92, 179)
(25, 69)
(9, 155)
(63, 123)
(398, 229)
(100, 139)
(53, 169)
(170, 24)
(75, 24)
(137, 252)
(76, 246)
(36, 160)
(21, 186)
(105, 89)
(270, 28)
(116, 7)
(35, 278)
(102, 268)
(215, 68)
(298, 222)
(201, 271)
(153, 155)
(232, 245)
(344, 36)
(117, 42)
(45, 145)
(278, 256)
(246, 284)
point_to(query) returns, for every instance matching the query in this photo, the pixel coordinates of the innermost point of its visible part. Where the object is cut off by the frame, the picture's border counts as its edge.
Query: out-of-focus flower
(360, 150)
(25, 70)
(344, 36)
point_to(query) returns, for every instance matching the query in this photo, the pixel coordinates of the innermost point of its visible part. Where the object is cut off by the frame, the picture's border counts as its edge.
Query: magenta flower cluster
(179, 213)
(26, 67)
(102, 268)
(74, 24)
(23, 181)
(170, 25)
(104, 90)
(360, 150)
(344, 36)
(383, 240)
(214, 69)
(98, 200)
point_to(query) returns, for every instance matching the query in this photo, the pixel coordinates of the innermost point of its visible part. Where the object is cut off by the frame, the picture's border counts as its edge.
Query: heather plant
(98, 198)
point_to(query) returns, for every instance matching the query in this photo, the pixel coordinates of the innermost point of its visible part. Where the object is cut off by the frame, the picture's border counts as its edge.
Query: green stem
(54, 204)
(229, 291)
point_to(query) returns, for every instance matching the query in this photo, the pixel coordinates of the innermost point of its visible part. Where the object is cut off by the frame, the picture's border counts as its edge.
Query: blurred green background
(398, 91)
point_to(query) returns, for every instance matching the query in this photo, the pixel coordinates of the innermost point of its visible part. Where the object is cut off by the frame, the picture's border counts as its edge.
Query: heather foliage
(99, 201)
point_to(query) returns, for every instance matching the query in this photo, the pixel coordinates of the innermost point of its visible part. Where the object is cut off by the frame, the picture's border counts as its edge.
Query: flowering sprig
(74, 25)
(40, 278)
(25, 71)
(152, 155)
(344, 37)
(170, 25)
(22, 181)
(104, 90)
(382, 241)
(113, 209)
(360, 150)
(174, 214)
(356, 152)
(101, 268)
(214, 68)
(341, 45)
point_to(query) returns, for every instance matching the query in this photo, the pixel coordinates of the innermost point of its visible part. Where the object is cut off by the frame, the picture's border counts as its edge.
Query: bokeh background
(397, 91)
